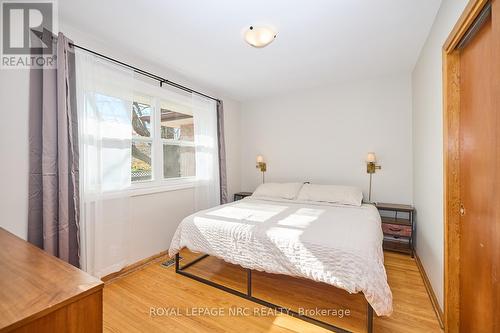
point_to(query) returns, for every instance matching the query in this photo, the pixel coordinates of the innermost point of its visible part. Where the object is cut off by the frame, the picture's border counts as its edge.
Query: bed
(337, 244)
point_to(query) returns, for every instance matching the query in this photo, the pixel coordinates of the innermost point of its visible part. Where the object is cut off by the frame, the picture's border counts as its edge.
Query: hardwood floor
(155, 299)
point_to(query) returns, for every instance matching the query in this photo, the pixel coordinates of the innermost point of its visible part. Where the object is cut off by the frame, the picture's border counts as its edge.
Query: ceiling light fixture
(259, 36)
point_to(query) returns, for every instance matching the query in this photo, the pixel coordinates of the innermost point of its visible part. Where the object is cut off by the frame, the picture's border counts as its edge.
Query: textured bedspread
(338, 245)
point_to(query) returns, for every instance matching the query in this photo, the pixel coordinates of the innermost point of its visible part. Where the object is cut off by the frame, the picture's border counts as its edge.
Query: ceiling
(319, 41)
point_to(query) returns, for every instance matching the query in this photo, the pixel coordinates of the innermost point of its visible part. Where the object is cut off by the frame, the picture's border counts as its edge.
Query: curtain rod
(145, 73)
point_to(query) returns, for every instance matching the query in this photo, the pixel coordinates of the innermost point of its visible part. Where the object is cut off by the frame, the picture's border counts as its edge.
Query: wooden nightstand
(241, 195)
(398, 226)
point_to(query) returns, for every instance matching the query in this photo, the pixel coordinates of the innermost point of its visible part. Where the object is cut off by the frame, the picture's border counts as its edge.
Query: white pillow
(344, 195)
(278, 190)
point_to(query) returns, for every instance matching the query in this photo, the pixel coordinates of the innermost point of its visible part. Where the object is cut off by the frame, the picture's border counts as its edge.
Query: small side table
(398, 227)
(241, 195)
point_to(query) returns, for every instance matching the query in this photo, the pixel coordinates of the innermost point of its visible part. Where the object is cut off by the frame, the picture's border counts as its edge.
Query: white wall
(323, 136)
(14, 86)
(154, 216)
(428, 145)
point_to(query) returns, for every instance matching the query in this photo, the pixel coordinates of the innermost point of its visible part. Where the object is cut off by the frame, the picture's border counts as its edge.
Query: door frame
(451, 155)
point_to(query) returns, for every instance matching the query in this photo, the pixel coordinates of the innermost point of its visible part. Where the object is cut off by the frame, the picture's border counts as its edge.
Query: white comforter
(338, 245)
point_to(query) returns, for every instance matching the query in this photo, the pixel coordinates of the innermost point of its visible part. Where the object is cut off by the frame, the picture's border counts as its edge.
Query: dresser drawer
(397, 244)
(396, 230)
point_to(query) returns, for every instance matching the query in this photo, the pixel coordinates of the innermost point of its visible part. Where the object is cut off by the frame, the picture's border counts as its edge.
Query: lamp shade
(371, 158)
(259, 36)
(260, 159)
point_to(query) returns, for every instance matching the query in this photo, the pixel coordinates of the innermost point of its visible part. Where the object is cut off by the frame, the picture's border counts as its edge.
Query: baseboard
(430, 291)
(133, 267)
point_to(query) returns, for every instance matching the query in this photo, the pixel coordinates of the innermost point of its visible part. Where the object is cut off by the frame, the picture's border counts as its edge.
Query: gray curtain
(53, 218)
(222, 152)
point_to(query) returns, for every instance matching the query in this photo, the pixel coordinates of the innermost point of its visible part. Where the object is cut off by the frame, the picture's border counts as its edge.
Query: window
(142, 142)
(163, 146)
(136, 136)
(177, 134)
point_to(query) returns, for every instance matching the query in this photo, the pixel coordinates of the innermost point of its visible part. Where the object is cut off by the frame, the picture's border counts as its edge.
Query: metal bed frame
(248, 295)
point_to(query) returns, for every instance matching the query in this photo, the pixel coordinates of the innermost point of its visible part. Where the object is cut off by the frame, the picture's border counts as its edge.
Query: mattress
(335, 244)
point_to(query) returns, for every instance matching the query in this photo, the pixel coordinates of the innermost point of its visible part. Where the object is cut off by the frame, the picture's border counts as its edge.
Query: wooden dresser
(41, 293)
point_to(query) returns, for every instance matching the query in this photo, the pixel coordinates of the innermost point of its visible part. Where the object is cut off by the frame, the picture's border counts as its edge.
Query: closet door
(479, 177)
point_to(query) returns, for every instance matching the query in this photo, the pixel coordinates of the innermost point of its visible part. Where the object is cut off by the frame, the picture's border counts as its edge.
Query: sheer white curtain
(207, 189)
(104, 100)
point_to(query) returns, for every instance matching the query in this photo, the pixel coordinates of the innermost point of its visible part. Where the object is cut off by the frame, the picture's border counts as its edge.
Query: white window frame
(158, 183)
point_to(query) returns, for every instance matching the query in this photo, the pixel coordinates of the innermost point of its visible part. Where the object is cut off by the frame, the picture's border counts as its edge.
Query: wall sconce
(371, 167)
(261, 165)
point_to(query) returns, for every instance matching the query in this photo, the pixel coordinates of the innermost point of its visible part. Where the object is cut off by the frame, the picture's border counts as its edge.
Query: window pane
(141, 161)
(178, 161)
(141, 119)
(109, 115)
(176, 126)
